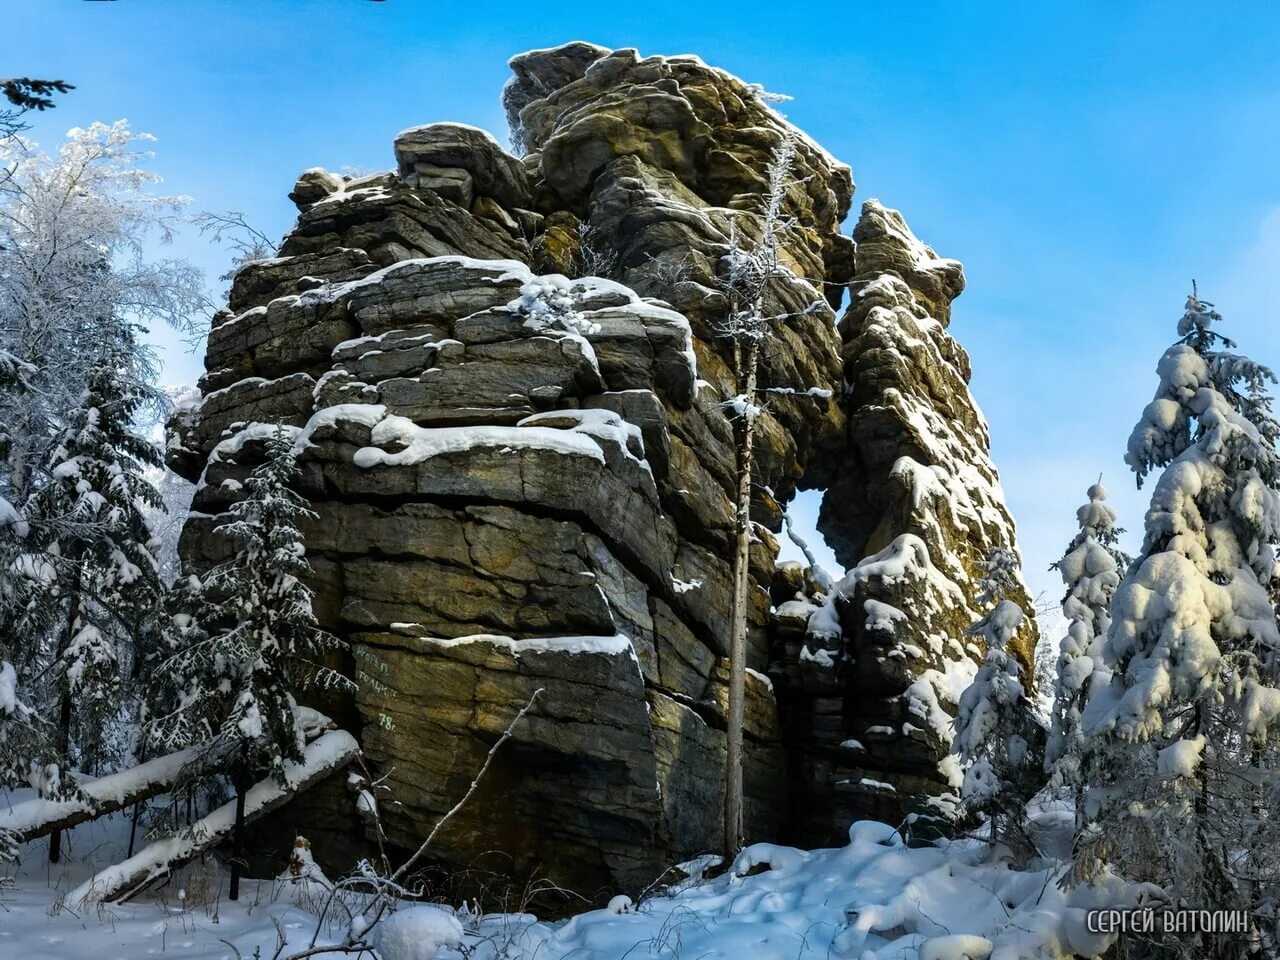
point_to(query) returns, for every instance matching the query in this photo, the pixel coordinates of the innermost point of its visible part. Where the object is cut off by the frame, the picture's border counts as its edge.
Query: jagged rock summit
(509, 395)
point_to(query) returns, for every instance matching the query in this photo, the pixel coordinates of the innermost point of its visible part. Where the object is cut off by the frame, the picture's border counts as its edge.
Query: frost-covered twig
(506, 735)
(388, 890)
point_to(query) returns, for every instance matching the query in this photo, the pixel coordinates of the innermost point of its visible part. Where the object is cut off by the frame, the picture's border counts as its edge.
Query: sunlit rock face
(508, 387)
(915, 507)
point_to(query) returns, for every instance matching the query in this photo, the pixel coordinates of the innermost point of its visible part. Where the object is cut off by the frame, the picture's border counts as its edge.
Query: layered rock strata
(512, 408)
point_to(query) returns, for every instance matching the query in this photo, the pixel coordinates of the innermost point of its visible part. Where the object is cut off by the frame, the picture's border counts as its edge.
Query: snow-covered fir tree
(182, 707)
(995, 731)
(248, 639)
(1091, 568)
(92, 591)
(21, 735)
(92, 550)
(1184, 784)
(999, 575)
(270, 644)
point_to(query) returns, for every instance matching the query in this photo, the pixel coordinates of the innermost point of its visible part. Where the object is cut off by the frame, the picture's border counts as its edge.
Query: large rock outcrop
(874, 677)
(509, 394)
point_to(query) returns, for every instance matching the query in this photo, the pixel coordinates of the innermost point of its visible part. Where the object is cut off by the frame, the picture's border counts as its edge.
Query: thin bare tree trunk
(63, 744)
(62, 741)
(733, 796)
(242, 783)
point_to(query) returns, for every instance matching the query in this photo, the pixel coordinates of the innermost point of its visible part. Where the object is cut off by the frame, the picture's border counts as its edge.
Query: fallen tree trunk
(330, 752)
(36, 818)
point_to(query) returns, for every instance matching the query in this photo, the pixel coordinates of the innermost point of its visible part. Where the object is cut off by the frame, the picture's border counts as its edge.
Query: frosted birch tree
(1185, 786)
(74, 233)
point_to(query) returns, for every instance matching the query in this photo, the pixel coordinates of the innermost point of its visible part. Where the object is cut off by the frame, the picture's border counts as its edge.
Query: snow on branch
(40, 816)
(321, 758)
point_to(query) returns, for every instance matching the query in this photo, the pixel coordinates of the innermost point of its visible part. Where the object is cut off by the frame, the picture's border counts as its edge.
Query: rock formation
(874, 676)
(509, 396)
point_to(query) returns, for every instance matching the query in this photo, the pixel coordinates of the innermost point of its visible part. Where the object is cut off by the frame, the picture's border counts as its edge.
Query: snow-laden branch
(37, 817)
(321, 758)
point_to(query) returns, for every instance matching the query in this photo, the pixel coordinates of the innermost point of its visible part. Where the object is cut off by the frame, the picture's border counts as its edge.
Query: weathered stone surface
(392, 221)
(575, 790)
(915, 506)
(285, 400)
(314, 185)
(261, 281)
(493, 172)
(509, 386)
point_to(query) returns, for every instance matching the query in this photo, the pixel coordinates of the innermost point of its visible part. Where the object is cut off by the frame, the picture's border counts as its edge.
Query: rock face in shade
(509, 398)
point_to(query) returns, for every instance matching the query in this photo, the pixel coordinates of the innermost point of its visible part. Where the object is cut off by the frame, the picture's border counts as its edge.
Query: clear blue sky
(1084, 160)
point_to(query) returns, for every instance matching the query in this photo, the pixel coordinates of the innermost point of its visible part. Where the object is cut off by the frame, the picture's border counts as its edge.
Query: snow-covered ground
(874, 898)
(187, 919)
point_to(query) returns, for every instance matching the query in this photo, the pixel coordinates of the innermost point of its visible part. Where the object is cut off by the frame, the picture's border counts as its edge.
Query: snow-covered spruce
(1183, 737)
(247, 635)
(995, 730)
(89, 582)
(247, 638)
(20, 732)
(1091, 568)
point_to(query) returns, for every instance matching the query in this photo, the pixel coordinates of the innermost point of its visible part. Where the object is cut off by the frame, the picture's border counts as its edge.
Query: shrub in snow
(416, 932)
(1091, 569)
(995, 730)
(550, 303)
(1182, 738)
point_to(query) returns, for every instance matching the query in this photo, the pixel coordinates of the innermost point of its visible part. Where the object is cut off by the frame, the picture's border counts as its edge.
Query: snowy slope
(874, 898)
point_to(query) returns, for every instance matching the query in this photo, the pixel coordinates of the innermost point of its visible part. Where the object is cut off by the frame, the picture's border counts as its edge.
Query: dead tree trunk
(734, 801)
(39, 817)
(322, 758)
(748, 269)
